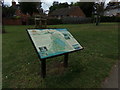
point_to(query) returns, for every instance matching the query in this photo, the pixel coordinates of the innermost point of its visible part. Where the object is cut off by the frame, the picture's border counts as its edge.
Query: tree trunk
(97, 20)
(3, 29)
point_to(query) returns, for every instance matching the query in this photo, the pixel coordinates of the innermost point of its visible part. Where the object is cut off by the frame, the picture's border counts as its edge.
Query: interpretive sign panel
(52, 42)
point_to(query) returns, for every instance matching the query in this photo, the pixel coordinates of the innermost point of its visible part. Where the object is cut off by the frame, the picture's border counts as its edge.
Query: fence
(9, 21)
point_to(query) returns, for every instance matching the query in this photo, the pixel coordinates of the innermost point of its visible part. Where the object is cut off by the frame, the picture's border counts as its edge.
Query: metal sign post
(43, 68)
(66, 60)
(43, 65)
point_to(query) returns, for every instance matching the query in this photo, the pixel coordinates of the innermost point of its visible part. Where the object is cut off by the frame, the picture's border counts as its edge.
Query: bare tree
(99, 10)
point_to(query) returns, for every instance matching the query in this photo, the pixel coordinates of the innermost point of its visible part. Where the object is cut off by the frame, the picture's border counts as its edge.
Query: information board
(52, 42)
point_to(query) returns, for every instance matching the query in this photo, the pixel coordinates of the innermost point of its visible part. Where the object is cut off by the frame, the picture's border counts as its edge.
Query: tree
(98, 11)
(57, 5)
(1, 6)
(87, 7)
(101, 8)
(8, 11)
(113, 4)
(29, 7)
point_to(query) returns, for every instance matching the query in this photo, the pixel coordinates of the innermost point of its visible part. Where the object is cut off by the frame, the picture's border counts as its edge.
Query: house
(24, 17)
(20, 18)
(113, 10)
(74, 11)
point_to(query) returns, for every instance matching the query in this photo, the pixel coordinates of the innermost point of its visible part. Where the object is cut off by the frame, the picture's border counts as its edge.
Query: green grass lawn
(87, 68)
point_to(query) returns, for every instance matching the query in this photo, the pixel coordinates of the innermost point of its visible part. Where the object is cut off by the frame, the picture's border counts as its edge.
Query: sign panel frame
(54, 55)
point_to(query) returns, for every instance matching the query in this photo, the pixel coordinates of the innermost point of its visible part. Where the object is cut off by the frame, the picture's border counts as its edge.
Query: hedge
(54, 21)
(76, 20)
(31, 21)
(109, 19)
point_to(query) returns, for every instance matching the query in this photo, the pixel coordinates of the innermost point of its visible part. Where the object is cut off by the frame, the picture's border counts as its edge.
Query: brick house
(24, 17)
(23, 20)
(74, 11)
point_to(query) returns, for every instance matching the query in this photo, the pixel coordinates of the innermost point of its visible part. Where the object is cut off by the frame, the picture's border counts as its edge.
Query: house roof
(111, 12)
(112, 7)
(65, 11)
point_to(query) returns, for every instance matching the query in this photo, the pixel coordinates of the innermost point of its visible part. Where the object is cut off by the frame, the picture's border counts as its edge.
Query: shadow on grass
(57, 75)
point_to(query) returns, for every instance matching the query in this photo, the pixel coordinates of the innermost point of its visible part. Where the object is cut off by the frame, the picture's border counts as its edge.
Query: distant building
(21, 18)
(24, 17)
(112, 10)
(74, 11)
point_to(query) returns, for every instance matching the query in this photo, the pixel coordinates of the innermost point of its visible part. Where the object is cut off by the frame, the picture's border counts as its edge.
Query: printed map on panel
(51, 42)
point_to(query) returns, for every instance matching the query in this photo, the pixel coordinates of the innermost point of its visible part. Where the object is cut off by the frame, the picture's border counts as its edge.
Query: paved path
(112, 80)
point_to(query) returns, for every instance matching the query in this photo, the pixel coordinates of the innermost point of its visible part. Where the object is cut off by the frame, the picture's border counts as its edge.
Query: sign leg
(43, 68)
(66, 60)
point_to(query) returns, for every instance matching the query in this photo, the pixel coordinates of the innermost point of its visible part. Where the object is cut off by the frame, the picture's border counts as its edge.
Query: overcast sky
(46, 3)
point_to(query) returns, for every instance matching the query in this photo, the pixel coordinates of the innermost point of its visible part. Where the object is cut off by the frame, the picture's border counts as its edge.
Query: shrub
(54, 21)
(16, 17)
(110, 19)
(31, 21)
(76, 20)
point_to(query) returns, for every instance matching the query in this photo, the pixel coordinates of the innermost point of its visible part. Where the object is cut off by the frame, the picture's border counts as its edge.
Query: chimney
(13, 3)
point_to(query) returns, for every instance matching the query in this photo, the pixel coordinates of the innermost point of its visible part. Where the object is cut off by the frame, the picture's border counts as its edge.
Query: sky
(46, 3)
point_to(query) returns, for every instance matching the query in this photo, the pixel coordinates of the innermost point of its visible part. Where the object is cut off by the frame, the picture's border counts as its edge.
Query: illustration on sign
(51, 42)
